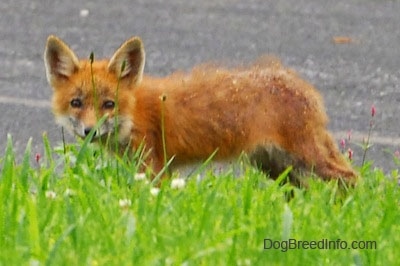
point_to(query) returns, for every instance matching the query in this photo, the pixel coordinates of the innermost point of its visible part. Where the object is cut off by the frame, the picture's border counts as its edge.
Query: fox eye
(76, 103)
(108, 104)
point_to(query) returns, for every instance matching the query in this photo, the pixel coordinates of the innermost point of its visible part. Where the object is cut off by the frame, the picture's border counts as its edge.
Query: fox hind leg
(274, 160)
(314, 155)
(319, 153)
(331, 164)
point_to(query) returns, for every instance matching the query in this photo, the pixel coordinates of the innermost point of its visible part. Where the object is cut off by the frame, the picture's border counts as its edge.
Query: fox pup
(265, 111)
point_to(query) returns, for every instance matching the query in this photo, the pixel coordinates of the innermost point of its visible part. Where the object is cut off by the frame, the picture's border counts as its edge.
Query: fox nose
(87, 130)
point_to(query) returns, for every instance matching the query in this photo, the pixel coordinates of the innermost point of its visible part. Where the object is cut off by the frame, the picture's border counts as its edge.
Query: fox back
(265, 111)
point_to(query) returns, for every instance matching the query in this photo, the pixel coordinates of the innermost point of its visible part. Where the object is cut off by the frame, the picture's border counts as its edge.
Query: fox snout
(83, 130)
(101, 131)
(87, 130)
(121, 126)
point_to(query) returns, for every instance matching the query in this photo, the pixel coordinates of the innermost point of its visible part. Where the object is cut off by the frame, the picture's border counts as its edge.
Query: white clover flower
(154, 191)
(139, 176)
(125, 203)
(50, 194)
(178, 183)
(84, 13)
(34, 262)
(245, 262)
(69, 192)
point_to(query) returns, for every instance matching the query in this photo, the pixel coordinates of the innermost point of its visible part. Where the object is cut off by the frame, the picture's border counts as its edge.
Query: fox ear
(59, 59)
(128, 61)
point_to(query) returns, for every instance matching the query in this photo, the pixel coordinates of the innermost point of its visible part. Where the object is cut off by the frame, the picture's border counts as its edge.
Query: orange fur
(265, 110)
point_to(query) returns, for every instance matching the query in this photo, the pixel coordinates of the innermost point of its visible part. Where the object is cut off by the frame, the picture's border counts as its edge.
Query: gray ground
(181, 33)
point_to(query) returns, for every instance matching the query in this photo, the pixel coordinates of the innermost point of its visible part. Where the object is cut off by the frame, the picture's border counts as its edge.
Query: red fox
(265, 111)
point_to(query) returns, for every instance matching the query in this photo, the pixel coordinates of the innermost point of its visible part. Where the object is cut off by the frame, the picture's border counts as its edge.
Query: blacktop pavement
(349, 49)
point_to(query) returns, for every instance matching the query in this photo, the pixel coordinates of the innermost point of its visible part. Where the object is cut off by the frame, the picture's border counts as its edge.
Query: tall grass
(83, 207)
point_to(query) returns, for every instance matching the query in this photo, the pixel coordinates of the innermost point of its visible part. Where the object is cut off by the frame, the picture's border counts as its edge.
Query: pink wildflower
(349, 135)
(37, 157)
(350, 154)
(343, 143)
(373, 110)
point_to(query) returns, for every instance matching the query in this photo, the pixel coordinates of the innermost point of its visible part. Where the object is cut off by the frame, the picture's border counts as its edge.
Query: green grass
(83, 207)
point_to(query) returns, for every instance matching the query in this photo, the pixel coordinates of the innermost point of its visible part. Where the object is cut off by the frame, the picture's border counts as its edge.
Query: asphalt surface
(360, 71)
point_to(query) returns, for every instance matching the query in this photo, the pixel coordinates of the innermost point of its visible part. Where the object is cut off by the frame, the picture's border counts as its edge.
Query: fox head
(84, 91)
